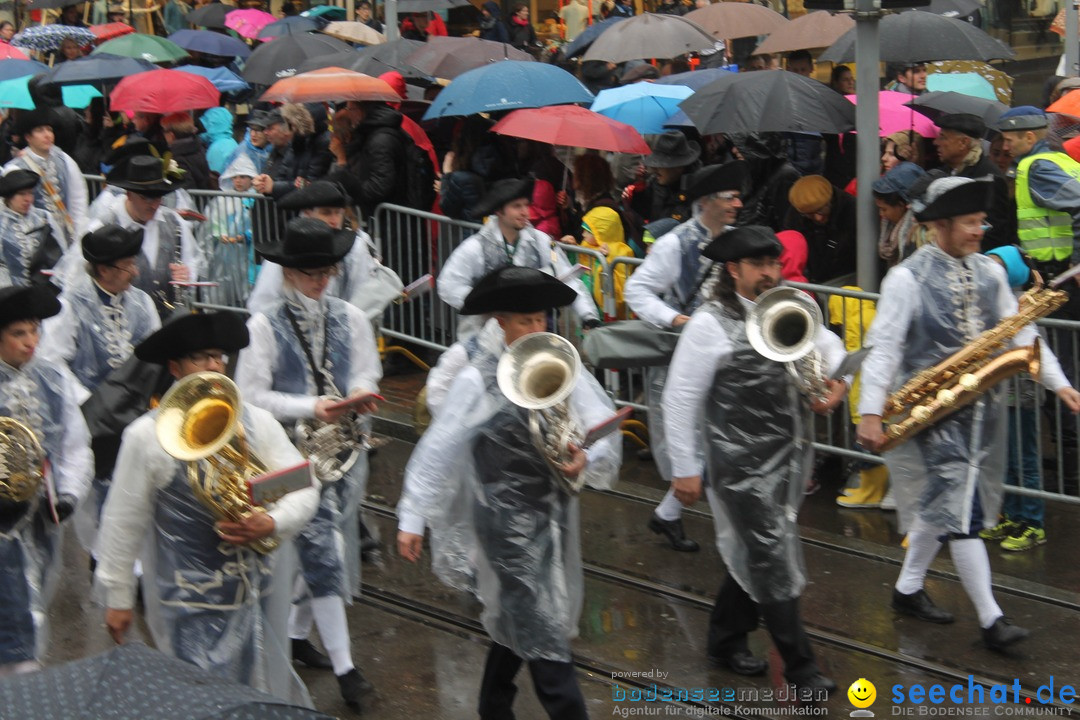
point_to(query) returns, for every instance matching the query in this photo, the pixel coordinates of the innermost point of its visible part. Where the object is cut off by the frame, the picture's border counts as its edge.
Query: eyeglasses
(203, 359)
(762, 263)
(323, 274)
(727, 195)
(129, 269)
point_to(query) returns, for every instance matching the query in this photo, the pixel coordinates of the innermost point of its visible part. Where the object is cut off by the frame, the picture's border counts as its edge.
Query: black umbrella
(373, 63)
(953, 8)
(281, 58)
(582, 42)
(448, 57)
(768, 102)
(210, 16)
(296, 25)
(136, 682)
(48, 4)
(430, 5)
(921, 37)
(935, 104)
(96, 70)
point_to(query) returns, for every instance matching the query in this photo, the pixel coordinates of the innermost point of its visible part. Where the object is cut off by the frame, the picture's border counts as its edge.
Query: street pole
(390, 24)
(867, 141)
(1072, 39)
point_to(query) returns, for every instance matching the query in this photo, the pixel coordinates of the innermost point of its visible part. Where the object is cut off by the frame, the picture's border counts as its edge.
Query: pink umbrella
(894, 116)
(248, 23)
(10, 52)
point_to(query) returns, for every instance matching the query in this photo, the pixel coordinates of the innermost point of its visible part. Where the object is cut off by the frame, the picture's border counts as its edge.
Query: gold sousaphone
(538, 372)
(22, 462)
(199, 419)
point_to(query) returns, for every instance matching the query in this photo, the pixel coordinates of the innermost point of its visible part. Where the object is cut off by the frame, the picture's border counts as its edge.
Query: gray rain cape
(501, 526)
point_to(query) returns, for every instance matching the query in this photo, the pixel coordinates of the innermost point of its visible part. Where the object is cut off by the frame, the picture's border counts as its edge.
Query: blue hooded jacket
(218, 137)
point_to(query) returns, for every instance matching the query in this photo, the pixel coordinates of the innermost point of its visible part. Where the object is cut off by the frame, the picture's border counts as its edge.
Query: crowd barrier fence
(413, 242)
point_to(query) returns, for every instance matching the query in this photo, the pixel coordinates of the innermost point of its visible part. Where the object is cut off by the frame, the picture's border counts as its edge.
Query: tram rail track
(946, 673)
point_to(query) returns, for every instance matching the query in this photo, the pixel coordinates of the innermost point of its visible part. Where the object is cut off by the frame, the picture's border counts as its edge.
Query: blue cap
(1025, 117)
(1018, 270)
(899, 180)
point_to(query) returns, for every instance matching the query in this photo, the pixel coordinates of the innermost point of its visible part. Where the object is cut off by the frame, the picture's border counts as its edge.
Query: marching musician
(502, 524)
(28, 241)
(949, 478)
(62, 190)
(755, 428)
(102, 319)
(326, 201)
(169, 251)
(210, 598)
(307, 353)
(507, 238)
(666, 289)
(44, 398)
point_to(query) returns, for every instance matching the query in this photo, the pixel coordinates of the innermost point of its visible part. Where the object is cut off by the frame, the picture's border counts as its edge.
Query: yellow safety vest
(1045, 234)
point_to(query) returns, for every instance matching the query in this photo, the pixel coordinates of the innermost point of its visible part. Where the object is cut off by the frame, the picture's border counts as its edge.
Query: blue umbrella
(210, 43)
(507, 85)
(295, 25)
(17, 68)
(644, 106)
(582, 42)
(15, 93)
(223, 79)
(97, 70)
(695, 79)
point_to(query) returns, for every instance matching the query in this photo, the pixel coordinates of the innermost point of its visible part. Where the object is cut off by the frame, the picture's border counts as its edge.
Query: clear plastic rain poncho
(501, 526)
(217, 605)
(227, 240)
(759, 453)
(40, 397)
(946, 472)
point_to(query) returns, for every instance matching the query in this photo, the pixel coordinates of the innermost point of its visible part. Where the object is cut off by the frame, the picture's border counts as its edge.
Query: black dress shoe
(306, 653)
(673, 530)
(1002, 634)
(919, 605)
(813, 684)
(353, 687)
(740, 662)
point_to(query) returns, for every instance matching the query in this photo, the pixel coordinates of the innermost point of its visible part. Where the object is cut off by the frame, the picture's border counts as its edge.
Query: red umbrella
(108, 31)
(572, 126)
(163, 91)
(10, 52)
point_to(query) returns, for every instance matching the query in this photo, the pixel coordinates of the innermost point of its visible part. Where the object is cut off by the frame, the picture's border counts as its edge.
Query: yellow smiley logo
(862, 693)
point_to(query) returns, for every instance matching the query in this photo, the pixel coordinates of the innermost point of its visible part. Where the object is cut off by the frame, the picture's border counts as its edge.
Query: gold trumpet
(198, 419)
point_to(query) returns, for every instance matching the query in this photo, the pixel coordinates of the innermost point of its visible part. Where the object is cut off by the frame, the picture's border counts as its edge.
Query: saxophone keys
(946, 397)
(921, 413)
(969, 382)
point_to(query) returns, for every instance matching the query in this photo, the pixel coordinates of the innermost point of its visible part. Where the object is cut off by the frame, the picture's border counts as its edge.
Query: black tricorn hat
(748, 241)
(717, 178)
(672, 149)
(502, 192)
(143, 174)
(110, 243)
(952, 196)
(27, 302)
(192, 333)
(128, 147)
(519, 290)
(310, 243)
(30, 119)
(17, 180)
(321, 193)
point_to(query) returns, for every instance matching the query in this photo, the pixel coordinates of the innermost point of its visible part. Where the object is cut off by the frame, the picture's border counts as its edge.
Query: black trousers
(735, 614)
(555, 683)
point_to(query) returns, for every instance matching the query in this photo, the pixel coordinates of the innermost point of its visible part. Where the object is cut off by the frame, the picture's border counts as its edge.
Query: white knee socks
(923, 546)
(973, 565)
(329, 615)
(669, 508)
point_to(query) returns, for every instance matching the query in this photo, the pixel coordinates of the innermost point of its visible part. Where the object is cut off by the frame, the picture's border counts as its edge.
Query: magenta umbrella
(895, 116)
(248, 23)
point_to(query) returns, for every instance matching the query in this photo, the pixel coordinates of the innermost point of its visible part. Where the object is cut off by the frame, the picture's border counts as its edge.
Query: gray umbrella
(768, 102)
(935, 104)
(134, 682)
(650, 35)
(921, 37)
(448, 57)
(374, 60)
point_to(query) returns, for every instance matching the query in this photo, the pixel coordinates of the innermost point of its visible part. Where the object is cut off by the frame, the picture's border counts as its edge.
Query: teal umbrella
(971, 84)
(15, 93)
(330, 12)
(144, 47)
